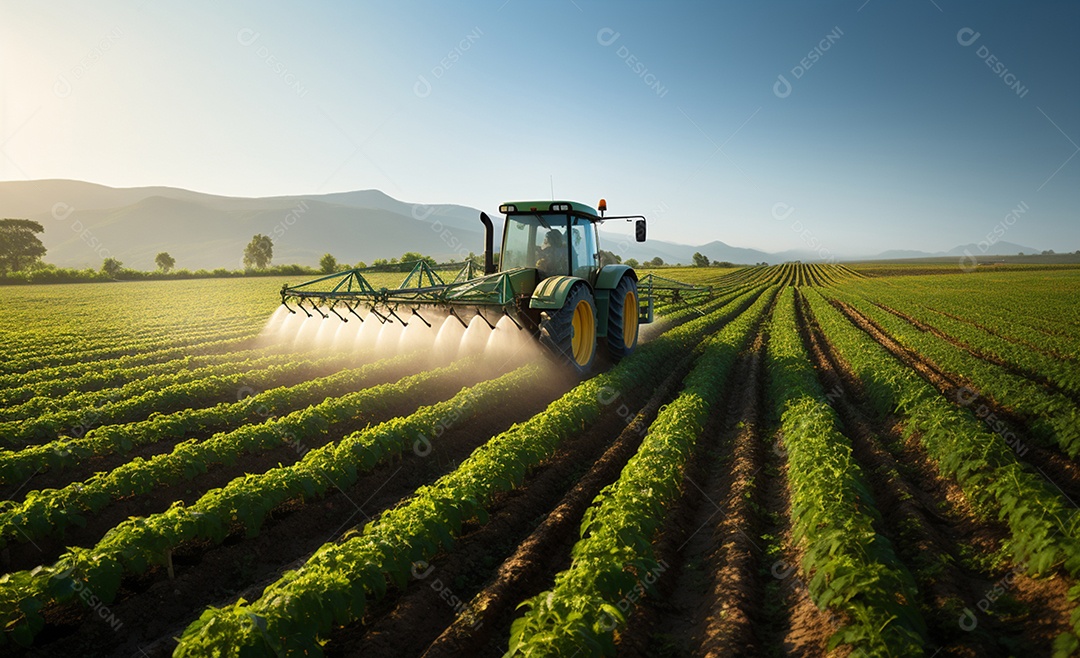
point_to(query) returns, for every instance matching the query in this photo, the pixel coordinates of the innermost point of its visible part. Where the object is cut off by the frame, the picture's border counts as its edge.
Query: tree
(609, 258)
(259, 252)
(632, 262)
(165, 262)
(700, 259)
(361, 265)
(328, 264)
(409, 259)
(1048, 252)
(111, 267)
(19, 244)
(656, 262)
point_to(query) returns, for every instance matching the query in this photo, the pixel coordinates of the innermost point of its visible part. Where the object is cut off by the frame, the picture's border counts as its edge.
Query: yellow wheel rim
(630, 319)
(583, 339)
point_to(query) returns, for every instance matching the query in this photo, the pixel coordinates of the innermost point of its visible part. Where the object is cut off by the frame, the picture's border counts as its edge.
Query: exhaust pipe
(489, 241)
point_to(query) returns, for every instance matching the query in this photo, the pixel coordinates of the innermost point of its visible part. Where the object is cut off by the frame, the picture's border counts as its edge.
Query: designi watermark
(783, 87)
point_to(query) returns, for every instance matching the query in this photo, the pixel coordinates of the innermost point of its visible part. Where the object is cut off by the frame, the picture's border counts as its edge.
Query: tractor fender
(606, 280)
(610, 275)
(552, 292)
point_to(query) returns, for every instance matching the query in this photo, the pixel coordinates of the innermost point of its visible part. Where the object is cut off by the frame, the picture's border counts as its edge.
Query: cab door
(584, 261)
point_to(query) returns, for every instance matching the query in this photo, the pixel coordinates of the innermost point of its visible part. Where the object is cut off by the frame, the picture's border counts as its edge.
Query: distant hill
(997, 249)
(85, 222)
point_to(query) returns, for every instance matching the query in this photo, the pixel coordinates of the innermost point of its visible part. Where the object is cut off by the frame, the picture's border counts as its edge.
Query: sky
(848, 128)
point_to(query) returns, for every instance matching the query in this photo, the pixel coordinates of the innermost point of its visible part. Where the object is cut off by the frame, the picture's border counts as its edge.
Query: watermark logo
(607, 396)
(969, 620)
(61, 211)
(64, 84)
(421, 570)
(89, 599)
(294, 215)
(968, 397)
(609, 621)
(969, 262)
(782, 211)
(967, 37)
(423, 87)
(247, 37)
(783, 87)
(607, 37)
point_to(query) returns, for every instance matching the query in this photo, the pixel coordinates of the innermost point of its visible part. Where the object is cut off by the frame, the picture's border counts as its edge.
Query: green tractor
(550, 281)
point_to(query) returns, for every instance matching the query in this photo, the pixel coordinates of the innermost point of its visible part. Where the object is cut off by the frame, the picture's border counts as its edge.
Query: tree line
(21, 253)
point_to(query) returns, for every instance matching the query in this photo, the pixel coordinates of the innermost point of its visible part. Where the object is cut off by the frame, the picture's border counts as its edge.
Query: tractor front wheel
(570, 332)
(622, 330)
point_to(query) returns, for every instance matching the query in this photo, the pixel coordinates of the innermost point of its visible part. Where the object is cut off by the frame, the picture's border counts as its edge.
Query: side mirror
(639, 230)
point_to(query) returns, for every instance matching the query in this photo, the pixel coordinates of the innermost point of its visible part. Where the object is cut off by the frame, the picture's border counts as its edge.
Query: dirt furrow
(1018, 341)
(1011, 368)
(1062, 472)
(46, 550)
(153, 609)
(528, 570)
(711, 530)
(974, 605)
(57, 478)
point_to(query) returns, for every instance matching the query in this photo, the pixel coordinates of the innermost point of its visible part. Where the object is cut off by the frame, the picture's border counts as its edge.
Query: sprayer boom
(550, 282)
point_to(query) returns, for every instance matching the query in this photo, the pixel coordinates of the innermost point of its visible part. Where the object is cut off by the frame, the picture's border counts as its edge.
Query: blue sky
(852, 127)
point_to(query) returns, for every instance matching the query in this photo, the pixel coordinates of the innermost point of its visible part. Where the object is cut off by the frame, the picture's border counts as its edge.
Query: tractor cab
(556, 238)
(553, 240)
(551, 249)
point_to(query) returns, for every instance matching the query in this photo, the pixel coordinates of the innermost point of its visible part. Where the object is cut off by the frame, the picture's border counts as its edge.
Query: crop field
(819, 460)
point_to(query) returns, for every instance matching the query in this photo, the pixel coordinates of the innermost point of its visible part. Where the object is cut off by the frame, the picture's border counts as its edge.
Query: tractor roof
(518, 207)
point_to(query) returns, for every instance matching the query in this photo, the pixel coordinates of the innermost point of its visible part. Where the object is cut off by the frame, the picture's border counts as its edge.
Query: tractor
(550, 281)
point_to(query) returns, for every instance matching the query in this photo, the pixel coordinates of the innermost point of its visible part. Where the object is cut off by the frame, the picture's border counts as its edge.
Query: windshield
(537, 241)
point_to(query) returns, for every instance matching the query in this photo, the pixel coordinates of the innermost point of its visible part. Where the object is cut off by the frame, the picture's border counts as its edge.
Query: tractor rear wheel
(570, 332)
(622, 330)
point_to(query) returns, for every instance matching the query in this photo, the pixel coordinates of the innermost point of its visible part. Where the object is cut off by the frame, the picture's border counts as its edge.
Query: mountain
(1000, 248)
(86, 223)
(997, 249)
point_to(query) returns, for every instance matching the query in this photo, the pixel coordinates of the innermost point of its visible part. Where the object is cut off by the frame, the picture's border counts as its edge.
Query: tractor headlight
(557, 207)
(507, 209)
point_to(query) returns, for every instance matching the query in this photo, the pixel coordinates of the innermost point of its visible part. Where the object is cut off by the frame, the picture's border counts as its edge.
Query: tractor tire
(570, 332)
(622, 329)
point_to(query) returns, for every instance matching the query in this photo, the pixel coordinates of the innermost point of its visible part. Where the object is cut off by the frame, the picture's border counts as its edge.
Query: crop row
(1027, 312)
(139, 542)
(1063, 373)
(165, 354)
(136, 544)
(1050, 416)
(850, 568)
(80, 401)
(112, 352)
(334, 585)
(31, 345)
(117, 409)
(615, 555)
(51, 511)
(16, 466)
(1043, 528)
(104, 377)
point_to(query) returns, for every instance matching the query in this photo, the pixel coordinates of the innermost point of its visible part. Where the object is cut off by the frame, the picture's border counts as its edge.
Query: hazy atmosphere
(856, 127)
(545, 329)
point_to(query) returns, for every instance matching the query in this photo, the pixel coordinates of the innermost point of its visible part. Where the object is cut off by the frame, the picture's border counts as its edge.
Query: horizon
(617, 230)
(866, 126)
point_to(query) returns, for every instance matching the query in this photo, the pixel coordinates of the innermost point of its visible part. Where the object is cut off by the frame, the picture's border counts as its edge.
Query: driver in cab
(552, 254)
